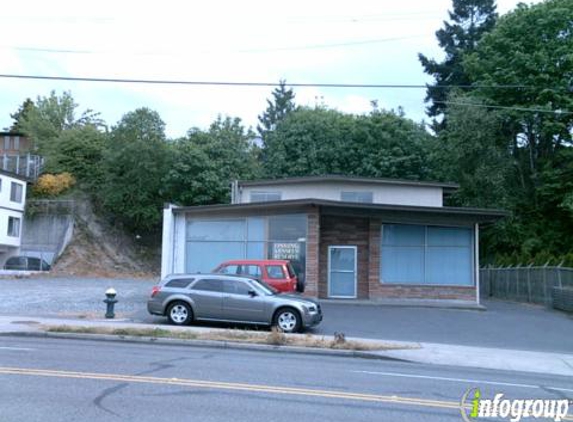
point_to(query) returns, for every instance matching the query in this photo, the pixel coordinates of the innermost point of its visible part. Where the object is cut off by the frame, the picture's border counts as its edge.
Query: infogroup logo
(474, 406)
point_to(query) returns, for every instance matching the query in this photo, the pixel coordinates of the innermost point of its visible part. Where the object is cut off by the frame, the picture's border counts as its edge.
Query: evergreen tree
(20, 115)
(277, 108)
(470, 20)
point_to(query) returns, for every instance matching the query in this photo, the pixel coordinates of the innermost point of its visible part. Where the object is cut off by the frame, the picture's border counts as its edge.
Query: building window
(428, 255)
(13, 226)
(211, 242)
(6, 142)
(16, 192)
(364, 197)
(265, 196)
(16, 142)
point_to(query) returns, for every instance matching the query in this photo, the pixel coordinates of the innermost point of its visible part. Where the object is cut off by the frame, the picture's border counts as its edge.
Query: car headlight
(311, 309)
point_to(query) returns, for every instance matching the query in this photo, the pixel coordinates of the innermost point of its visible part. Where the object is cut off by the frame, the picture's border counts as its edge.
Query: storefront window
(212, 241)
(429, 255)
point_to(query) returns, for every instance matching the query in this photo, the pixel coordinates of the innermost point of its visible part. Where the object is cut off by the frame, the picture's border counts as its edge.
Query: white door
(342, 271)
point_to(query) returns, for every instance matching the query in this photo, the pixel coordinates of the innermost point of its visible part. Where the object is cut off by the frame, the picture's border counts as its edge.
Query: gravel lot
(72, 297)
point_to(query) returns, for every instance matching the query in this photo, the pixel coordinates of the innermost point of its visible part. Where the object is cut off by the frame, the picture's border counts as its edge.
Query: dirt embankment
(99, 249)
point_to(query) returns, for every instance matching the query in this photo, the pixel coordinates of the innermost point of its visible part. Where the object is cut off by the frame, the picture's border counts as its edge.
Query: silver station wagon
(184, 298)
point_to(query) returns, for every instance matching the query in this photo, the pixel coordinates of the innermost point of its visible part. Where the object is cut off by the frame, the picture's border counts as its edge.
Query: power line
(249, 84)
(248, 50)
(530, 109)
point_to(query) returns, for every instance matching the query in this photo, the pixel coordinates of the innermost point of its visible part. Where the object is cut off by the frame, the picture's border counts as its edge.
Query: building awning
(386, 213)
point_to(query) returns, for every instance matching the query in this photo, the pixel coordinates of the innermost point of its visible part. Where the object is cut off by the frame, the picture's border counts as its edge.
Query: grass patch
(274, 337)
(134, 332)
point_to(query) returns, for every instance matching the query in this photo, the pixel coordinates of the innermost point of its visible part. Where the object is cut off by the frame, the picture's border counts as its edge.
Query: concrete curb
(404, 303)
(215, 344)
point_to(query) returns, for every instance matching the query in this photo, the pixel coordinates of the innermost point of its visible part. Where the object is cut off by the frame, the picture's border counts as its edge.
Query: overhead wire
(306, 85)
(251, 84)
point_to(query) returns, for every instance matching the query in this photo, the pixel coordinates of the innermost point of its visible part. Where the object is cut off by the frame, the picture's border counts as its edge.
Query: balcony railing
(26, 165)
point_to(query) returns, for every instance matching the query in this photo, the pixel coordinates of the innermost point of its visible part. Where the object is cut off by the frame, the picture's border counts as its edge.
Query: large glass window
(212, 241)
(426, 255)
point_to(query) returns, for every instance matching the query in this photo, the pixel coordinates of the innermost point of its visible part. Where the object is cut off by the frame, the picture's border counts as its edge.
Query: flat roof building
(347, 237)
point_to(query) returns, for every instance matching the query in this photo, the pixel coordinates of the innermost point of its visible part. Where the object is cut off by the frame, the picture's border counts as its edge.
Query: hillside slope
(99, 249)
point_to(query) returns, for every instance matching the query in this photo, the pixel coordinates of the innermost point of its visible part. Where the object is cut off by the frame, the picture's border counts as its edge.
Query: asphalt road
(503, 325)
(51, 380)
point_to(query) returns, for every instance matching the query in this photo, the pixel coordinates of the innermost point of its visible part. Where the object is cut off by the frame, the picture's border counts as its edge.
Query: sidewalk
(426, 353)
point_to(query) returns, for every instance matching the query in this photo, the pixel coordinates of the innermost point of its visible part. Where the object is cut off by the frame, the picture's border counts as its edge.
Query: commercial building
(348, 237)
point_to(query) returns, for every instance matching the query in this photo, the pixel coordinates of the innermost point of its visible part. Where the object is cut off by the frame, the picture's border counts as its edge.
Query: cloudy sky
(358, 42)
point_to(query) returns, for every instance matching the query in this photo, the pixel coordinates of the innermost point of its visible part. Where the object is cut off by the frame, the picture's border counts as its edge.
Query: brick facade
(344, 231)
(365, 234)
(312, 253)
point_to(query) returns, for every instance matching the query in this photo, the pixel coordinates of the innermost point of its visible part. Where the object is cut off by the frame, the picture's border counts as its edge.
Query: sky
(358, 42)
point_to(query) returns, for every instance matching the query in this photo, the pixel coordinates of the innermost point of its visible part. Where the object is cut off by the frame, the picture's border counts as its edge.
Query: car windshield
(268, 289)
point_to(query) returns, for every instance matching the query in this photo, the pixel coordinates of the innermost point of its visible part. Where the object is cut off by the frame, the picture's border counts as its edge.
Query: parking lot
(503, 325)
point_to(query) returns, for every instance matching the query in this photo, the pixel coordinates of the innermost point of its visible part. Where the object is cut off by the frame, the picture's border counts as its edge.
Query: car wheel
(180, 313)
(287, 320)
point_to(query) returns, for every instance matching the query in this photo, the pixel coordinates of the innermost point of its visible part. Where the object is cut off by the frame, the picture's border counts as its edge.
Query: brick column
(374, 257)
(312, 245)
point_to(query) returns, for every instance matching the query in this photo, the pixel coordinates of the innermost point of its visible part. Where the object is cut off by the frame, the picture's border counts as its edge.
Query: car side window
(208, 285)
(252, 270)
(34, 264)
(275, 271)
(237, 287)
(179, 282)
(229, 269)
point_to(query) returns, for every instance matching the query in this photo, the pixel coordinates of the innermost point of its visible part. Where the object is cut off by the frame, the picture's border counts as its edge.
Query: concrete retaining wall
(46, 235)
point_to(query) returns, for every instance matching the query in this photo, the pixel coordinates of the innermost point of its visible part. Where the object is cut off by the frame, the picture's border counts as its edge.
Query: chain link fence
(532, 284)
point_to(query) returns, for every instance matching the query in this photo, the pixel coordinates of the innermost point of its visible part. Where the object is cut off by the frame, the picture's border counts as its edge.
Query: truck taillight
(155, 290)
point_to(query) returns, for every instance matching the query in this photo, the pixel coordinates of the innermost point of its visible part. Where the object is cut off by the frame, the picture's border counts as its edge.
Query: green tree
(52, 115)
(470, 20)
(472, 152)
(135, 163)
(313, 141)
(281, 104)
(78, 151)
(203, 164)
(530, 47)
(20, 114)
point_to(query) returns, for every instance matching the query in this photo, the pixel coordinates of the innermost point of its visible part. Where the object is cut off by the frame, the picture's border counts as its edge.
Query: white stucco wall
(173, 243)
(389, 194)
(10, 208)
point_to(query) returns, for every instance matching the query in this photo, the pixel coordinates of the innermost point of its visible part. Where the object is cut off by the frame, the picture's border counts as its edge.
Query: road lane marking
(469, 381)
(18, 349)
(234, 386)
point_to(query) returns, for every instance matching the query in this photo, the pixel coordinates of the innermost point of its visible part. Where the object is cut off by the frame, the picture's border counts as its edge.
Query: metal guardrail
(531, 284)
(26, 165)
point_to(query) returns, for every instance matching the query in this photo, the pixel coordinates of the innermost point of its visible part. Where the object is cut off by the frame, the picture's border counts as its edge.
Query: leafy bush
(51, 185)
